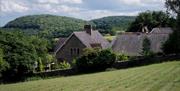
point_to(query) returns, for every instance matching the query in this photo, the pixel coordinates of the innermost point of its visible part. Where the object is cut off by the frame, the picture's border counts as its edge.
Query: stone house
(72, 47)
(130, 43)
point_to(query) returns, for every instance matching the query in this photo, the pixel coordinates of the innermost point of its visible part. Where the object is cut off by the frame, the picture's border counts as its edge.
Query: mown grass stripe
(138, 82)
(163, 79)
(122, 82)
(133, 79)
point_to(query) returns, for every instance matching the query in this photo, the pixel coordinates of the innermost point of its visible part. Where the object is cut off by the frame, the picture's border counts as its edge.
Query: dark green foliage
(64, 65)
(95, 60)
(146, 50)
(16, 48)
(60, 65)
(173, 5)
(40, 65)
(109, 24)
(21, 52)
(3, 64)
(151, 19)
(172, 45)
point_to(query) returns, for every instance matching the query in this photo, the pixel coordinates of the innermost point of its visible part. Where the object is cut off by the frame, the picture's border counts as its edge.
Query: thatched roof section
(131, 43)
(166, 30)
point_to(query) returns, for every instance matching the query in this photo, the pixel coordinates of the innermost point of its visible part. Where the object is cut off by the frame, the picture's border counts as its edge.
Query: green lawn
(156, 77)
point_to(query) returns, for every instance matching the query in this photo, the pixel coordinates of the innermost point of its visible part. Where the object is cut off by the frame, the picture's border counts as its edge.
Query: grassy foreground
(156, 77)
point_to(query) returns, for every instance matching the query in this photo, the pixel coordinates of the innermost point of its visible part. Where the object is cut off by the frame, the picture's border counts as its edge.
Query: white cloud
(131, 2)
(12, 6)
(93, 14)
(60, 1)
(48, 1)
(141, 2)
(83, 9)
(57, 9)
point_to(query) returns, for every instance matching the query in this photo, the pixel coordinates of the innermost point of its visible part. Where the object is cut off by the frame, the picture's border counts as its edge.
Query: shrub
(40, 65)
(121, 57)
(64, 65)
(146, 50)
(3, 64)
(95, 60)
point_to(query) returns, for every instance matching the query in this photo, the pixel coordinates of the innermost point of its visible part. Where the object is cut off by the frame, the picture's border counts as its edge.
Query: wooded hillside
(48, 26)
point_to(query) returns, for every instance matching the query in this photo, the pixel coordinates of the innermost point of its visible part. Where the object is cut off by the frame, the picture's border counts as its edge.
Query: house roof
(59, 43)
(86, 39)
(162, 30)
(131, 43)
(94, 38)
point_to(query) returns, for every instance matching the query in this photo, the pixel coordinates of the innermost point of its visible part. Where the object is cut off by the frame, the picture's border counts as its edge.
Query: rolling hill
(49, 26)
(156, 77)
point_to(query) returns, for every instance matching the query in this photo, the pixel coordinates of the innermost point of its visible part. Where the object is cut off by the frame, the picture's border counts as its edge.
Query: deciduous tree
(173, 43)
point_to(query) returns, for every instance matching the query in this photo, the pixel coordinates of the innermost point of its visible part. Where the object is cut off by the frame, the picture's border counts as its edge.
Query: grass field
(156, 77)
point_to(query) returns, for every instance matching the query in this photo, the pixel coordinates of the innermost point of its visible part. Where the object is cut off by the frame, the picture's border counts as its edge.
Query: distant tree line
(150, 20)
(112, 24)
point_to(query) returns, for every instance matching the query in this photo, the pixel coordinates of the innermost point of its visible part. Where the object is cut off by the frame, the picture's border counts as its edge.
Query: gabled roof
(87, 39)
(59, 43)
(94, 38)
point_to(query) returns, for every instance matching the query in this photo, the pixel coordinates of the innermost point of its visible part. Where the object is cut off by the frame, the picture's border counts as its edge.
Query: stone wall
(117, 65)
(145, 61)
(65, 52)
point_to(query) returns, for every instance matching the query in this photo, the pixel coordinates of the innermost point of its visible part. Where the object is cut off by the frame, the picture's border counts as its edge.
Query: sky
(82, 9)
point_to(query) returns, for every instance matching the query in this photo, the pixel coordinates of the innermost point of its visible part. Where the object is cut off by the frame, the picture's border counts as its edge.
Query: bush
(64, 65)
(95, 60)
(121, 57)
(3, 64)
(40, 65)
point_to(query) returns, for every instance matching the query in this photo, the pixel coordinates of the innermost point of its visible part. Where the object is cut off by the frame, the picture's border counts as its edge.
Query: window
(71, 51)
(74, 51)
(78, 51)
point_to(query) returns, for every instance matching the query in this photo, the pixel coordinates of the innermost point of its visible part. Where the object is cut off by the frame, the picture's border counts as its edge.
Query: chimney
(88, 29)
